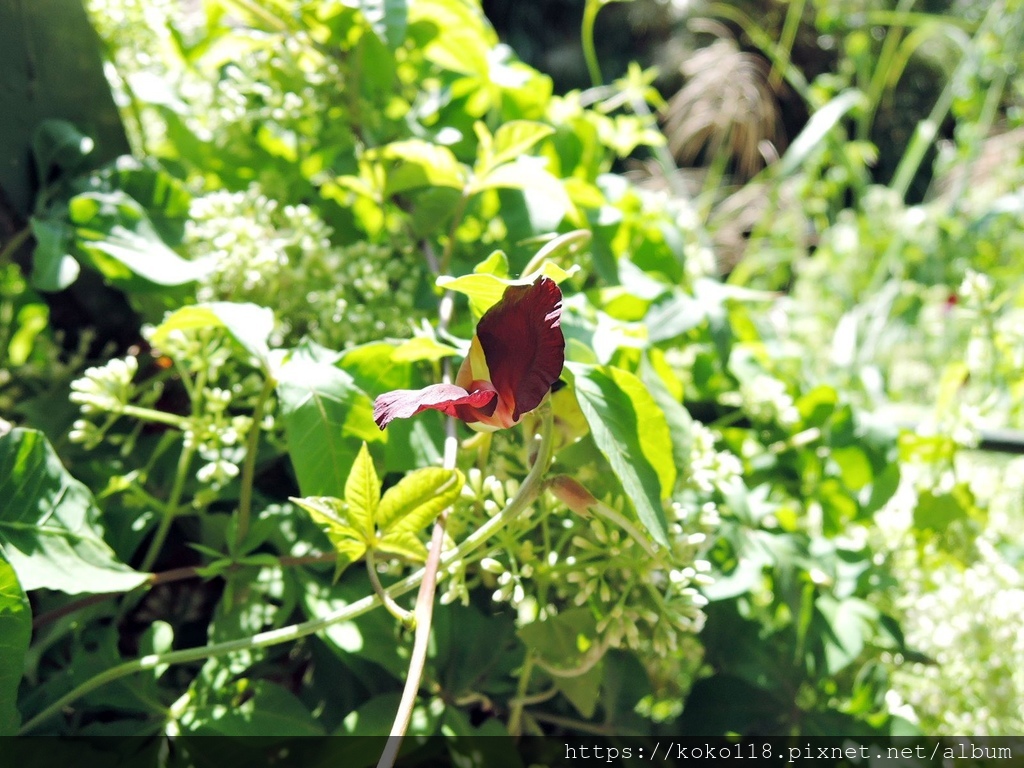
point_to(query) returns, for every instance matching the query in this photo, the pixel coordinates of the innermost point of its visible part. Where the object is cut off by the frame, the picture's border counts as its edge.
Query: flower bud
(572, 494)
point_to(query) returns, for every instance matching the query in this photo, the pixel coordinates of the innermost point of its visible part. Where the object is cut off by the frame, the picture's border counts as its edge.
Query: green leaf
(486, 290)
(368, 645)
(66, 81)
(562, 640)
(817, 128)
(724, 704)
(15, 634)
(250, 325)
(58, 146)
(678, 419)
(674, 316)
(115, 232)
(326, 419)
(631, 432)
(516, 138)
(854, 466)
(850, 623)
(403, 544)
(53, 268)
(258, 708)
(330, 514)
(566, 642)
(362, 494)
(418, 498)
(530, 176)
(937, 511)
(462, 39)
(496, 264)
(415, 164)
(49, 523)
(387, 18)
(422, 348)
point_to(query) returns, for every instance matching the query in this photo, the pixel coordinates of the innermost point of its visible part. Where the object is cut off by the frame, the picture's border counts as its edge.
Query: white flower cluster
(105, 389)
(282, 257)
(765, 399)
(976, 290)
(645, 603)
(963, 610)
(642, 601)
(964, 617)
(710, 469)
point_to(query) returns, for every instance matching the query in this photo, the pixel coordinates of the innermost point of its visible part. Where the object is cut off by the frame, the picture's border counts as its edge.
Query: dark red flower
(516, 355)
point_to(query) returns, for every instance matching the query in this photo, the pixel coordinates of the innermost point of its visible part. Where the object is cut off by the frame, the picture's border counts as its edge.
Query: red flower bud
(516, 355)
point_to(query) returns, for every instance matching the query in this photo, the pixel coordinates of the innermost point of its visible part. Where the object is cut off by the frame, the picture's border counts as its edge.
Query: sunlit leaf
(266, 709)
(121, 241)
(362, 493)
(15, 633)
(515, 138)
(415, 164)
(631, 432)
(53, 268)
(49, 523)
(250, 325)
(326, 419)
(422, 348)
(387, 18)
(418, 498)
(331, 516)
(403, 544)
(818, 127)
(486, 290)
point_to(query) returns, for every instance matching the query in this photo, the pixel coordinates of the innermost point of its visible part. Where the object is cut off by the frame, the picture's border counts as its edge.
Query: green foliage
(16, 620)
(50, 528)
(365, 520)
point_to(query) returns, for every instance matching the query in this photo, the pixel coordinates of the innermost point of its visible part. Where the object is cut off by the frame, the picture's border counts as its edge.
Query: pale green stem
(249, 466)
(587, 39)
(170, 510)
(423, 615)
(406, 617)
(781, 63)
(603, 510)
(16, 241)
(516, 715)
(151, 414)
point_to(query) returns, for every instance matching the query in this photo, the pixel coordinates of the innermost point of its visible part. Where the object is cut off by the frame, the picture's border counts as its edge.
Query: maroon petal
(447, 398)
(523, 345)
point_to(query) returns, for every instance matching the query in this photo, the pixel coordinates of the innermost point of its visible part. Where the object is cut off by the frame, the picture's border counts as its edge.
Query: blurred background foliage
(802, 223)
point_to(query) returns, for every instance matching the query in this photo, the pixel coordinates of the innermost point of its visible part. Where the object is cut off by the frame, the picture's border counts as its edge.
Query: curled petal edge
(522, 342)
(447, 398)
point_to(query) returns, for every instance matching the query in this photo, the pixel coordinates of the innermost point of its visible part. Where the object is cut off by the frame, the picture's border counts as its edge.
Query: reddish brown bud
(572, 494)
